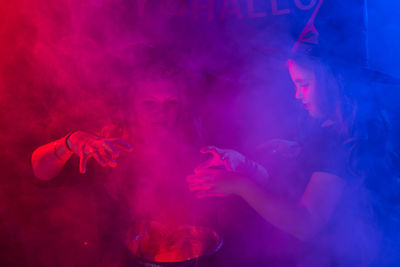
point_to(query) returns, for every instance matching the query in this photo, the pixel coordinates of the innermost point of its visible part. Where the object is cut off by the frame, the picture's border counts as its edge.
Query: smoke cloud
(73, 65)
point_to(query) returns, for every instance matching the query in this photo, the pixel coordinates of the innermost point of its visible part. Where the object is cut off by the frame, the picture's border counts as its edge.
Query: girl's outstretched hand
(225, 173)
(104, 150)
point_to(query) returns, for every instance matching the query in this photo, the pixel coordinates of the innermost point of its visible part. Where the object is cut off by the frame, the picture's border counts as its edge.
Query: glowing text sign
(220, 9)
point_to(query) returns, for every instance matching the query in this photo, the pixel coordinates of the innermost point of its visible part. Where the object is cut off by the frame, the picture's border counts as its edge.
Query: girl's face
(306, 86)
(157, 105)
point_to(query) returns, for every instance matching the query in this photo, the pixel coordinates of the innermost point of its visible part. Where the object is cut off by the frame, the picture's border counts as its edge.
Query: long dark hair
(345, 97)
(332, 97)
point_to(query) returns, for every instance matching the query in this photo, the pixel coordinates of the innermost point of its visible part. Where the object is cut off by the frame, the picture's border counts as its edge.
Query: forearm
(48, 160)
(290, 217)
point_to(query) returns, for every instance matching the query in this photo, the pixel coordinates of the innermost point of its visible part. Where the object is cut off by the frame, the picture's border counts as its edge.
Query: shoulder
(324, 151)
(370, 146)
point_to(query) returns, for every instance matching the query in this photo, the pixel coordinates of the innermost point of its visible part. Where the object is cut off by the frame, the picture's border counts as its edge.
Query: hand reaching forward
(225, 173)
(104, 151)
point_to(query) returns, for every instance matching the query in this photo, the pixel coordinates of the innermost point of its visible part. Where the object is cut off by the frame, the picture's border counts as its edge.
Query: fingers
(110, 148)
(204, 190)
(200, 178)
(215, 151)
(217, 159)
(227, 164)
(99, 158)
(83, 158)
(104, 151)
(207, 164)
(108, 152)
(100, 154)
(200, 186)
(106, 157)
(121, 144)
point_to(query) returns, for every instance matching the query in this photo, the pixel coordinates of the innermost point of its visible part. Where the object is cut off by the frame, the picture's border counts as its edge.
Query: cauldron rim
(149, 263)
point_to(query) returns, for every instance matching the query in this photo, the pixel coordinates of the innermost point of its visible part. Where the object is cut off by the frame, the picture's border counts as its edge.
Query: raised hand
(104, 151)
(230, 159)
(215, 182)
(225, 173)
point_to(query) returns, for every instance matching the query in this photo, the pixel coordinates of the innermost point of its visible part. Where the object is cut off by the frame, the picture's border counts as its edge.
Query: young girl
(155, 153)
(324, 204)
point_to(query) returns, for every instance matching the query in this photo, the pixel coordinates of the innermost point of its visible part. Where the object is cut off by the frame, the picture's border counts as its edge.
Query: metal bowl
(177, 246)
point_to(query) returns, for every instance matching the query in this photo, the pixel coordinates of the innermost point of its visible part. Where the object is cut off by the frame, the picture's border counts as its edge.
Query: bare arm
(305, 218)
(49, 159)
(301, 219)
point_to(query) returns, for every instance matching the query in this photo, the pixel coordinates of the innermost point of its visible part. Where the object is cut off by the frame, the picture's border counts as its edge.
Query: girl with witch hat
(330, 214)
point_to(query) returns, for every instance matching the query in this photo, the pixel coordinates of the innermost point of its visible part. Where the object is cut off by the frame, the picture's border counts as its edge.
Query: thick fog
(71, 65)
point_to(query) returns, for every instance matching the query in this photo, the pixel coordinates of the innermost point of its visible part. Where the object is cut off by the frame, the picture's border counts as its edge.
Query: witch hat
(325, 38)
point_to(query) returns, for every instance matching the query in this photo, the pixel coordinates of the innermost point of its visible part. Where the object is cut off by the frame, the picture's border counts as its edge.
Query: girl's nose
(299, 94)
